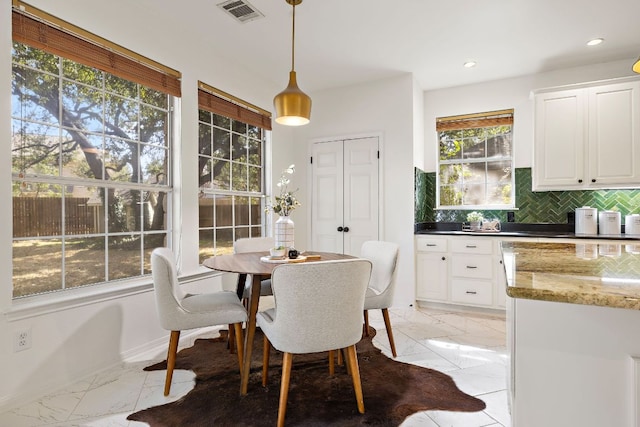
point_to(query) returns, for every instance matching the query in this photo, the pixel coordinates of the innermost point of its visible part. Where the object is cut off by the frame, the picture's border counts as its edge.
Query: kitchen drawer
(472, 266)
(472, 292)
(472, 246)
(425, 244)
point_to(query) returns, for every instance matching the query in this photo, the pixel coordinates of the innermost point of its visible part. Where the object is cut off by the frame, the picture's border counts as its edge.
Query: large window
(476, 161)
(90, 165)
(231, 173)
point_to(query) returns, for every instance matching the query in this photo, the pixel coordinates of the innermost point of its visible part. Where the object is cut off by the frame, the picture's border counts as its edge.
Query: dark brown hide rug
(392, 390)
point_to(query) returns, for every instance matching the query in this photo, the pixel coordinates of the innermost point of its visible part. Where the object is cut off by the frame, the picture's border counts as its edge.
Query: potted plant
(283, 205)
(475, 220)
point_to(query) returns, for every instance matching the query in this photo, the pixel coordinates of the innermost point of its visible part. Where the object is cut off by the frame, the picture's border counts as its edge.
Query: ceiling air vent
(241, 10)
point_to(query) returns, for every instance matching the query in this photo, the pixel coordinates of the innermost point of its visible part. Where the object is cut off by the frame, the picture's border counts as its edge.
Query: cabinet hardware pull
(593, 180)
(346, 229)
(443, 258)
(579, 181)
(472, 292)
(471, 266)
(431, 244)
(340, 229)
(471, 246)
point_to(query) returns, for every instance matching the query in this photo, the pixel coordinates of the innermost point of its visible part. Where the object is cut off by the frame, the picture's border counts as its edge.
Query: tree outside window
(90, 167)
(475, 167)
(231, 170)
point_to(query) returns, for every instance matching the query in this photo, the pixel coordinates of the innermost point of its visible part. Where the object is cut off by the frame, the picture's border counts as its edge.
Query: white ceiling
(344, 42)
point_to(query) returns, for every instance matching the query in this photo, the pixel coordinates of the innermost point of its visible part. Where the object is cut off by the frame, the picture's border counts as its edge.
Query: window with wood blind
(475, 163)
(230, 169)
(91, 157)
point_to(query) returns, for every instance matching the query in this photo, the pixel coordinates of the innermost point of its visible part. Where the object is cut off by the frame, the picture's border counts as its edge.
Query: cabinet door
(432, 278)
(501, 284)
(614, 140)
(559, 150)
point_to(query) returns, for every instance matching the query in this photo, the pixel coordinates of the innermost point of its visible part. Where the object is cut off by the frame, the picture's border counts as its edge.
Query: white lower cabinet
(472, 292)
(432, 270)
(460, 270)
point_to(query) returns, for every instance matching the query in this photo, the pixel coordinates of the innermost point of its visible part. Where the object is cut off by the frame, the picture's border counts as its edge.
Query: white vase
(284, 232)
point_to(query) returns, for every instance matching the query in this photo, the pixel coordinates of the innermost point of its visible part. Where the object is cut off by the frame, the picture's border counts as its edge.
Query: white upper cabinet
(587, 137)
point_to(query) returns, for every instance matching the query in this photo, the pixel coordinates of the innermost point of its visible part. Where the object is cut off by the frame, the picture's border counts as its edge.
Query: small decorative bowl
(278, 252)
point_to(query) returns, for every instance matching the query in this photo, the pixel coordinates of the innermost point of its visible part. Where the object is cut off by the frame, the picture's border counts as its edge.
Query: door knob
(346, 229)
(340, 228)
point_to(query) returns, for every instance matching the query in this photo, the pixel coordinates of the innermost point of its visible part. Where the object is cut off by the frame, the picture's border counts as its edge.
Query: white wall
(386, 107)
(418, 127)
(79, 337)
(509, 93)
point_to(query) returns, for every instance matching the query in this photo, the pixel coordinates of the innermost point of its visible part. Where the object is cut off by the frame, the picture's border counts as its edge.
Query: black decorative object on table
(293, 254)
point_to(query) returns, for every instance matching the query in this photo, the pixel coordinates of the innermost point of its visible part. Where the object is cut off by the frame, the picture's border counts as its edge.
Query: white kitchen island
(573, 317)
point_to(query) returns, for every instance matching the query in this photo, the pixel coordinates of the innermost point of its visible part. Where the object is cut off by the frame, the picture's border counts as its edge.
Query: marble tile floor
(470, 347)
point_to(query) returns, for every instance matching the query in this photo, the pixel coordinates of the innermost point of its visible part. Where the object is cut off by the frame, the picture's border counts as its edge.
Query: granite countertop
(516, 229)
(606, 274)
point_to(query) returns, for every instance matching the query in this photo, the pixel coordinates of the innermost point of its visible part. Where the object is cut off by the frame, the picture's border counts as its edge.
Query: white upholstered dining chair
(384, 257)
(243, 289)
(180, 311)
(318, 307)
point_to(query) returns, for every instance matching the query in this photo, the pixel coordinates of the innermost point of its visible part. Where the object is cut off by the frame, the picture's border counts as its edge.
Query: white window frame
(483, 160)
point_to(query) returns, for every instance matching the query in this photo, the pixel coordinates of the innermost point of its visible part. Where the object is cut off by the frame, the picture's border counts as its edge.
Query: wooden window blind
(225, 107)
(88, 50)
(477, 120)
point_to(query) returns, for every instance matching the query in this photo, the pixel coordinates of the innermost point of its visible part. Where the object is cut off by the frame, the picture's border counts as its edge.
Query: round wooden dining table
(250, 263)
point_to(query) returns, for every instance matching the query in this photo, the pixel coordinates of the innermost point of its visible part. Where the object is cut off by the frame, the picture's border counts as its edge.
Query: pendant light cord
(293, 38)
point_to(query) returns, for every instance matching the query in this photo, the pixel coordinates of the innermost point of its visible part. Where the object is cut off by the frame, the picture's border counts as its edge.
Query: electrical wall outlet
(22, 340)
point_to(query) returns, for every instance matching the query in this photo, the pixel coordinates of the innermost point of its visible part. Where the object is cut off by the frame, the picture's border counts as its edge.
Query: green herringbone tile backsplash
(547, 207)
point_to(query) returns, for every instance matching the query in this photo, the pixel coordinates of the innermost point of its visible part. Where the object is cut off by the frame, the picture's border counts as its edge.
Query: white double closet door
(345, 194)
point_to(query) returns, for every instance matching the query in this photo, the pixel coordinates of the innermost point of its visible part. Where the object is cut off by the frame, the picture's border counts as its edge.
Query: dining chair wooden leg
(387, 324)
(340, 359)
(231, 339)
(171, 359)
(352, 361)
(332, 363)
(345, 357)
(266, 350)
(237, 328)
(366, 323)
(284, 387)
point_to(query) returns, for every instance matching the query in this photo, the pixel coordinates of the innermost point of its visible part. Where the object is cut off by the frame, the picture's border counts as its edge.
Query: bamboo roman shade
(62, 40)
(234, 110)
(478, 120)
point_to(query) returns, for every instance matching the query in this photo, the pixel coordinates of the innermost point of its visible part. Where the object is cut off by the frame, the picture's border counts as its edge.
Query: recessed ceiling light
(470, 64)
(595, 42)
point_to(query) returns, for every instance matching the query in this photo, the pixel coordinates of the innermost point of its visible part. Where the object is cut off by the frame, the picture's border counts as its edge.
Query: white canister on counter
(609, 222)
(632, 224)
(586, 220)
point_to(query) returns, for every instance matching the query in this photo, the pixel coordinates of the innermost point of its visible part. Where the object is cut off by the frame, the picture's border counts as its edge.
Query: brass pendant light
(636, 66)
(293, 106)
